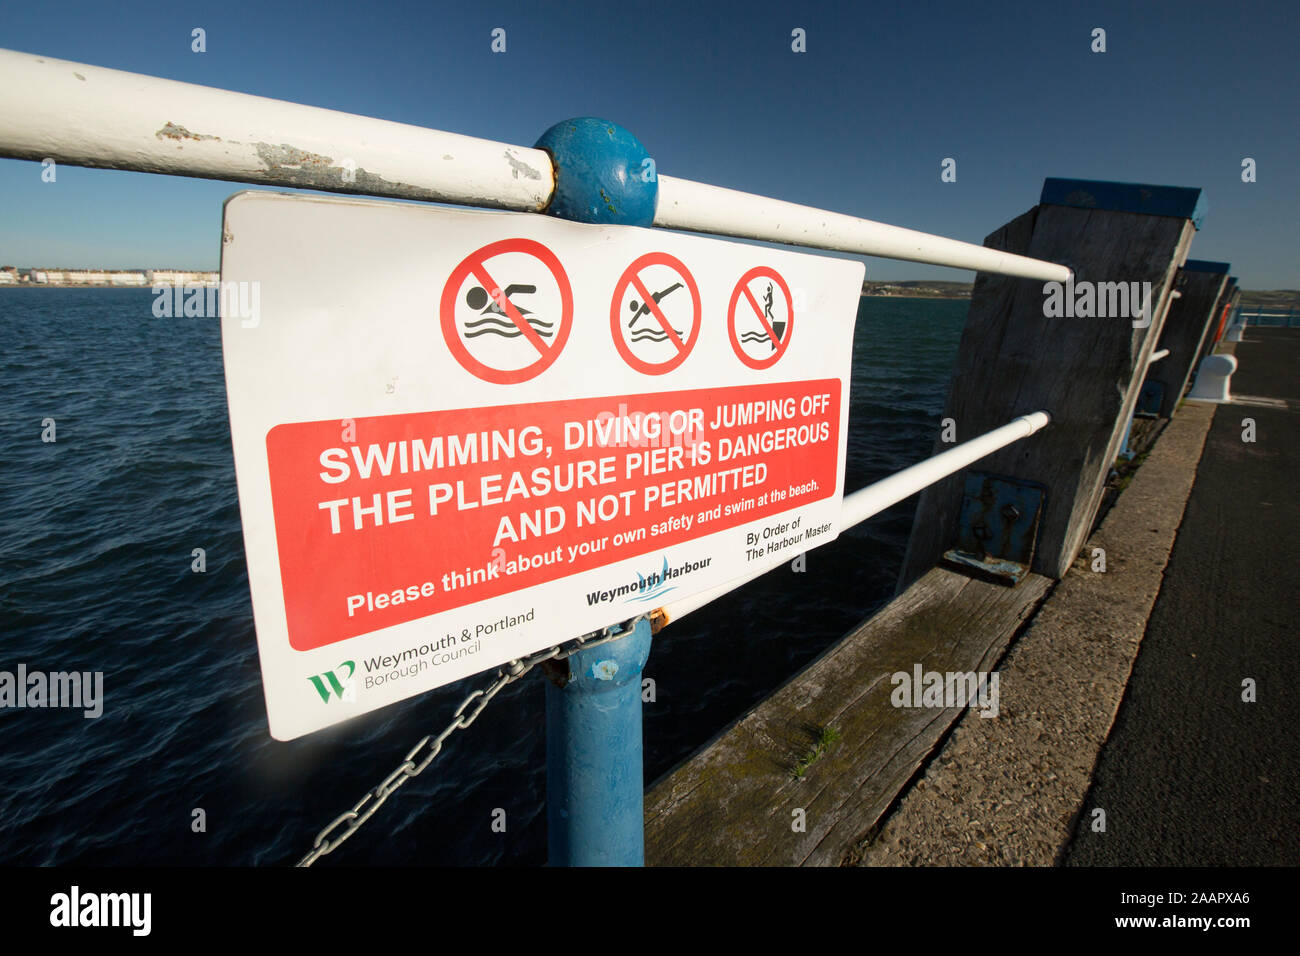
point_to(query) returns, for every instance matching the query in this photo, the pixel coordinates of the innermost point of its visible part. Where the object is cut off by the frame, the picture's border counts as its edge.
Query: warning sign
(447, 459)
(760, 318)
(509, 331)
(472, 504)
(655, 331)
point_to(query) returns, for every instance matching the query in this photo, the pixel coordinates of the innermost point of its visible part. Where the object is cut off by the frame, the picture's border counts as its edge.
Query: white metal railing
(1243, 318)
(91, 116)
(875, 498)
(1157, 356)
(712, 209)
(85, 115)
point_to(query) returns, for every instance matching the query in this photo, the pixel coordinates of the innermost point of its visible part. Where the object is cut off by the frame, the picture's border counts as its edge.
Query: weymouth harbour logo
(648, 587)
(653, 586)
(329, 685)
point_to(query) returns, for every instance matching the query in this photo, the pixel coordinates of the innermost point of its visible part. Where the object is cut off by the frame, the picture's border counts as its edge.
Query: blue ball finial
(602, 173)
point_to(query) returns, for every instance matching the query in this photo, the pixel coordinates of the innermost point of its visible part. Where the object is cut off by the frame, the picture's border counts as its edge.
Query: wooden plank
(1188, 323)
(1086, 372)
(732, 803)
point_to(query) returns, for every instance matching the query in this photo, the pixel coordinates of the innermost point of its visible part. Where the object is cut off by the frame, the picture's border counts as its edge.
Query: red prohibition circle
(631, 274)
(475, 263)
(737, 294)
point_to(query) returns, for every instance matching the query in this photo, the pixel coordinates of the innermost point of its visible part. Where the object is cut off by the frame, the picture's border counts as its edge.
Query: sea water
(98, 537)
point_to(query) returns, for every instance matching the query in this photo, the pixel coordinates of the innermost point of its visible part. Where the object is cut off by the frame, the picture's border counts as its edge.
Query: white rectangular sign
(461, 437)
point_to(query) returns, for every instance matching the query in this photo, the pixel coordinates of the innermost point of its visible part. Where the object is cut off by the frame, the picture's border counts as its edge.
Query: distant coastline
(42, 278)
(917, 289)
(910, 295)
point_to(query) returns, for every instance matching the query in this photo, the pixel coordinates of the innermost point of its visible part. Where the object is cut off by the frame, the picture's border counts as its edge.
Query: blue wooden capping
(1204, 265)
(1181, 202)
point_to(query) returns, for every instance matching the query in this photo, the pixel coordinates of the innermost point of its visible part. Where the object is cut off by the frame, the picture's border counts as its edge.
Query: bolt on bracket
(1149, 400)
(997, 527)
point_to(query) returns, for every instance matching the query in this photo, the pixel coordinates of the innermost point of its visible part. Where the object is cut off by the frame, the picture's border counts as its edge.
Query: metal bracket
(1149, 400)
(998, 527)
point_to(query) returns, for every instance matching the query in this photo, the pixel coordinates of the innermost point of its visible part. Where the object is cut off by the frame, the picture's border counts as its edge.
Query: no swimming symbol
(760, 318)
(654, 316)
(512, 330)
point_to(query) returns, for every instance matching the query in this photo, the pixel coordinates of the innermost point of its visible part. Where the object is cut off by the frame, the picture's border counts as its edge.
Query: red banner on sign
(415, 514)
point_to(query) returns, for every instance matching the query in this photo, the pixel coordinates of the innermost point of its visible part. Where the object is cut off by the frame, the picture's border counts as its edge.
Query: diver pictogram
(654, 315)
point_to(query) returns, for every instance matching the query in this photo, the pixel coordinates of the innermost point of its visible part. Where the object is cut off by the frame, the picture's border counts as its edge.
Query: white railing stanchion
(873, 499)
(727, 212)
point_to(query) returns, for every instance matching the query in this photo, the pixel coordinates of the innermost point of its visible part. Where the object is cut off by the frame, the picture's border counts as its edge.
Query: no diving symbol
(511, 330)
(760, 318)
(655, 314)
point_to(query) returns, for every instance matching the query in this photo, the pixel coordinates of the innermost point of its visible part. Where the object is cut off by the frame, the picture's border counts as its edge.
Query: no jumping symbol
(760, 321)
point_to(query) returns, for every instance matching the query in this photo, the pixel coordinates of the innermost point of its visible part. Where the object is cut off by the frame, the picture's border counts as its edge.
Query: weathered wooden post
(1190, 319)
(1078, 351)
(1234, 306)
(1231, 296)
(1220, 310)
(1218, 321)
(1236, 320)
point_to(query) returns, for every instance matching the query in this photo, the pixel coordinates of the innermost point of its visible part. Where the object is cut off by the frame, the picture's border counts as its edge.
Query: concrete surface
(1005, 791)
(1192, 775)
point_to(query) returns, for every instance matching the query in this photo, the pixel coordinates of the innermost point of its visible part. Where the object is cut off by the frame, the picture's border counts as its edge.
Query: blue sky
(859, 123)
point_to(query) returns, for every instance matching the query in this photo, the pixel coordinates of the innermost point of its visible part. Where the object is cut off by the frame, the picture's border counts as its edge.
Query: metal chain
(351, 820)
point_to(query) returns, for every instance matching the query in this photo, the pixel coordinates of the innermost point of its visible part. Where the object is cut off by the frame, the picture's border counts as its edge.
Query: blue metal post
(594, 767)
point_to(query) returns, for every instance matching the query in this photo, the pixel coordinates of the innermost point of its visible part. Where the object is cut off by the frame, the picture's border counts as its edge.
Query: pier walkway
(1188, 774)
(1191, 774)
(1200, 575)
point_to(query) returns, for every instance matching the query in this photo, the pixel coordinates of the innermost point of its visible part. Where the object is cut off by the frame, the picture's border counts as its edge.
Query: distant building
(86, 277)
(172, 277)
(129, 278)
